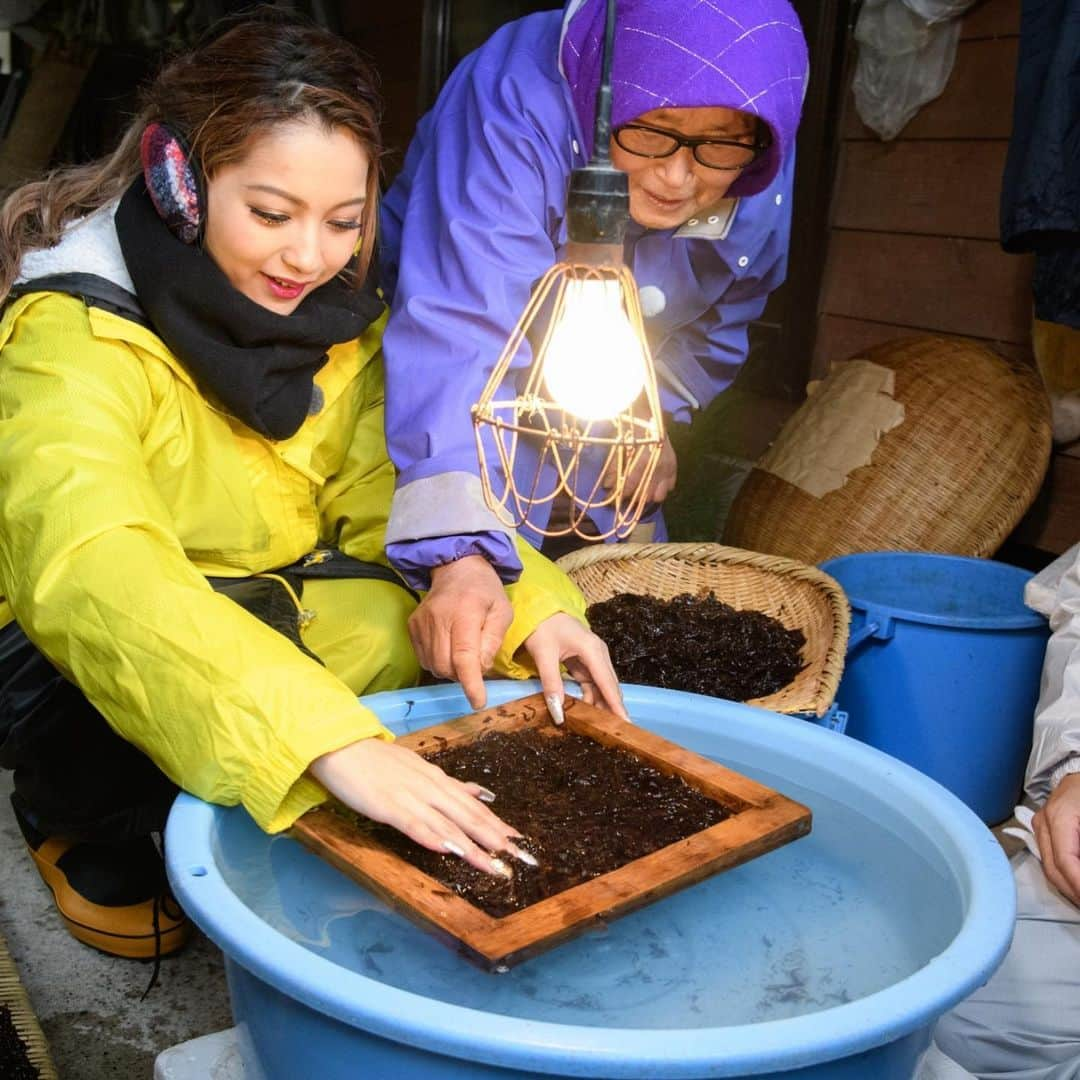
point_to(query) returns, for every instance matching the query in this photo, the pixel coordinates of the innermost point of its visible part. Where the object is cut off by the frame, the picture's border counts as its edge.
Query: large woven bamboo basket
(801, 597)
(954, 476)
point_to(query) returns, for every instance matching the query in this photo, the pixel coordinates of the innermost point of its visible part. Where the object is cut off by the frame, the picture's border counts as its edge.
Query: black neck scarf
(260, 365)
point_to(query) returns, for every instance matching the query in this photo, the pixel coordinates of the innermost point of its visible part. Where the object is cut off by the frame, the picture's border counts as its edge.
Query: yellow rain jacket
(122, 488)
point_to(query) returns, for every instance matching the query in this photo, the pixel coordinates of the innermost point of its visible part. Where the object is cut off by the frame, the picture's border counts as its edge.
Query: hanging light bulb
(594, 366)
(588, 408)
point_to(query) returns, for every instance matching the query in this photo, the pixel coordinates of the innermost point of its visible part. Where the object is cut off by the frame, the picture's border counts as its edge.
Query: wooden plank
(955, 286)
(1053, 522)
(916, 186)
(559, 918)
(991, 18)
(977, 101)
(840, 338)
(759, 820)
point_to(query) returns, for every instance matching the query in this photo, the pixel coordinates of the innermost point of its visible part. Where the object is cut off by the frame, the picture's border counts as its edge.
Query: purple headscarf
(748, 55)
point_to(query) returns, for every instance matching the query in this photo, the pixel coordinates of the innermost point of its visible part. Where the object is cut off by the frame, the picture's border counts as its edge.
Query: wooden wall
(913, 244)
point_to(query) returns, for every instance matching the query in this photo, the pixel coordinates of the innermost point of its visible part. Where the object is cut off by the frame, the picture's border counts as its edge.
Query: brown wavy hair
(249, 74)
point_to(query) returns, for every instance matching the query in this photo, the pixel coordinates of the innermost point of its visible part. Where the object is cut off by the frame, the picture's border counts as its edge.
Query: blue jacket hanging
(1040, 197)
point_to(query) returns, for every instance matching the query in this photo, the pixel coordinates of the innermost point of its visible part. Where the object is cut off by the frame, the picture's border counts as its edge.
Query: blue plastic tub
(943, 669)
(829, 959)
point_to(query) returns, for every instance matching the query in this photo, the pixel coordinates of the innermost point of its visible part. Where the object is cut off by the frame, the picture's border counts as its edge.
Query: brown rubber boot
(113, 898)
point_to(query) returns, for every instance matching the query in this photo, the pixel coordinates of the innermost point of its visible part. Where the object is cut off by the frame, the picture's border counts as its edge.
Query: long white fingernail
(502, 869)
(485, 796)
(554, 704)
(523, 856)
(454, 849)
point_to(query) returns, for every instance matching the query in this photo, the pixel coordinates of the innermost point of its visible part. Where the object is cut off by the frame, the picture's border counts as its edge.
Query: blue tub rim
(1022, 620)
(574, 1050)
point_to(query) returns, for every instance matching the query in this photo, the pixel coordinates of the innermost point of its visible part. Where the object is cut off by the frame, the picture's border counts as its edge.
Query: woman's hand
(391, 784)
(1057, 831)
(458, 627)
(561, 639)
(663, 479)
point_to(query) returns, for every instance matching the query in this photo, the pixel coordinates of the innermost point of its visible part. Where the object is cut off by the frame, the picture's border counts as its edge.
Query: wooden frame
(760, 820)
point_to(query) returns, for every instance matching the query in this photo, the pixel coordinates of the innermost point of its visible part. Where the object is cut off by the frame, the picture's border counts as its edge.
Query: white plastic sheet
(906, 53)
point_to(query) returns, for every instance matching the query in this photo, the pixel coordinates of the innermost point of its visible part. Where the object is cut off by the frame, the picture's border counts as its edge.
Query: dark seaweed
(582, 809)
(14, 1060)
(699, 644)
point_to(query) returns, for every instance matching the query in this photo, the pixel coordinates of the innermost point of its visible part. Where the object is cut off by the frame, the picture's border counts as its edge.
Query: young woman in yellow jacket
(194, 488)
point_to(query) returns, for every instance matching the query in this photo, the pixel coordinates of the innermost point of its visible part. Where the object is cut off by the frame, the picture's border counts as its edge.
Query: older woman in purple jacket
(706, 101)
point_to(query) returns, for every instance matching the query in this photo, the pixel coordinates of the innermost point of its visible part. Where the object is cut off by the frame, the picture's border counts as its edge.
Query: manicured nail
(454, 849)
(522, 855)
(502, 869)
(485, 796)
(554, 704)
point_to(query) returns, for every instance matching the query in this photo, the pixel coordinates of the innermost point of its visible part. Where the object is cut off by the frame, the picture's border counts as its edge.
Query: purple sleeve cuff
(415, 559)
(674, 407)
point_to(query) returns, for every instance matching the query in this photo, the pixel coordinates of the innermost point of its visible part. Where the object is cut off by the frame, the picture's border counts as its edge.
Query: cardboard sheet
(837, 428)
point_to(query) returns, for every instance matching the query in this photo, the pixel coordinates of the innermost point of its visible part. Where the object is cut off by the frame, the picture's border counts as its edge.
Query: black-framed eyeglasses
(650, 142)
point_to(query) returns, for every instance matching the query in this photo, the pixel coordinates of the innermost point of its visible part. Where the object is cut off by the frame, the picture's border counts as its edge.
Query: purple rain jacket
(476, 217)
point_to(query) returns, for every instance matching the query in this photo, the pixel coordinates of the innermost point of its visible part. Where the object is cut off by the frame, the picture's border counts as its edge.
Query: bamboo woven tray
(759, 820)
(26, 1024)
(954, 477)
(801, 597)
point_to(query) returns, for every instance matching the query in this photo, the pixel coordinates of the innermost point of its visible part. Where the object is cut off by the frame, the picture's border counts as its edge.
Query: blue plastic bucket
(943, 669)
(828, 959)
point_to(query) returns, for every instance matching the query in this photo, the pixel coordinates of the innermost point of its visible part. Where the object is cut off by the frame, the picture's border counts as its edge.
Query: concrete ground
(89, 1004)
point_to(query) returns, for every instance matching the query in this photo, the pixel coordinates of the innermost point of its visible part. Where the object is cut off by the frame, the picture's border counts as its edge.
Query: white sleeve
(1055, 750)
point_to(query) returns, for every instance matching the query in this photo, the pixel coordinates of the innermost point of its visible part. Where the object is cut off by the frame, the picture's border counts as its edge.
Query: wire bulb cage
(586, 428)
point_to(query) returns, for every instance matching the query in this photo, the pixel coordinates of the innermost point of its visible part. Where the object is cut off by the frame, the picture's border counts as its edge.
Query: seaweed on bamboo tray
(698, 644)
(15, 1061)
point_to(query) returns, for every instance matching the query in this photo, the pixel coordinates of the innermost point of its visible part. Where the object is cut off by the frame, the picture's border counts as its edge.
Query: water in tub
(820, 922)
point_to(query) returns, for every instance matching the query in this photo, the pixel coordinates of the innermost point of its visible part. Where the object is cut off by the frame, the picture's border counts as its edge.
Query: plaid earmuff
(174, 181)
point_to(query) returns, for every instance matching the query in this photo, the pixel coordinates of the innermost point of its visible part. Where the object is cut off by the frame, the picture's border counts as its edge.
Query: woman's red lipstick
(284, 288)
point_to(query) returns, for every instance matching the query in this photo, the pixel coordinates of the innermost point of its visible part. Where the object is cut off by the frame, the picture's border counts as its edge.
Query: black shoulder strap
(94, 291)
